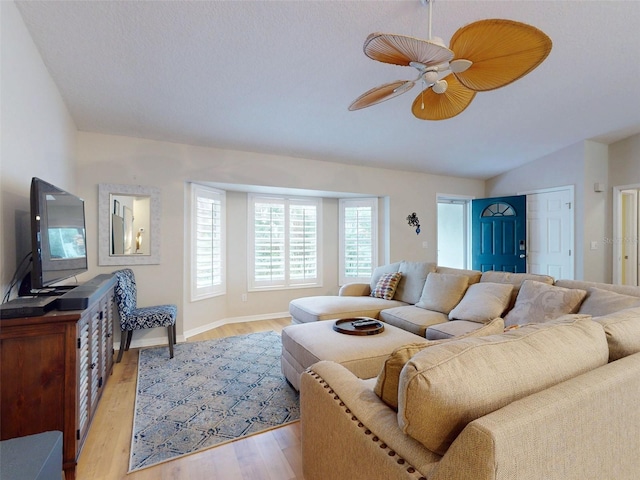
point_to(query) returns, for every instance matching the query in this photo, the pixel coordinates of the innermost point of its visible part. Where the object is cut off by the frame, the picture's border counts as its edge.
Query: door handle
(522, 255)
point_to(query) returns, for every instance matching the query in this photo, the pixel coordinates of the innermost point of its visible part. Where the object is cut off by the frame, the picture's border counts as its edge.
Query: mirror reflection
(129, 225)
(130, 222)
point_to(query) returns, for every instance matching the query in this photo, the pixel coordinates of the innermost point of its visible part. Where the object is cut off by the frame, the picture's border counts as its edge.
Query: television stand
(54, 370)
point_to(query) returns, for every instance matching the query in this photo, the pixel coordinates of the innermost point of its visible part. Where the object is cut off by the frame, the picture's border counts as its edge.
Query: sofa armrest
(348, 432)
(355, 290)
(585, 427)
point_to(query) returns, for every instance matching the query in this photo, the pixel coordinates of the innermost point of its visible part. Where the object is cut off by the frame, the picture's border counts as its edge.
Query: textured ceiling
(278, 76)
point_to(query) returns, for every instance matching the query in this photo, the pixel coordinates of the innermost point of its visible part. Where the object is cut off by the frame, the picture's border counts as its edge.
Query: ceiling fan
(482, 56)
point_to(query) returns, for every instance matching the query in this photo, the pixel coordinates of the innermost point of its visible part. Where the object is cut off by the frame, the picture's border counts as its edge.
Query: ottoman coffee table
(307, 343)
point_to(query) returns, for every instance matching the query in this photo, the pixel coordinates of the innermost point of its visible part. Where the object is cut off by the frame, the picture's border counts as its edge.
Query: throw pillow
(442, 292)
(381, 270)
(386, 286)
(482, 302)
(514, 279)
(388, 380)
(447, 386)
(414, 274)
(603, 302)
(538, 302)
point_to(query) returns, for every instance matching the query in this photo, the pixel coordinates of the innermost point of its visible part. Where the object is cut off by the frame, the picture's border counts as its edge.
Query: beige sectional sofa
(553, 396)
(532, 403)
(415, 307)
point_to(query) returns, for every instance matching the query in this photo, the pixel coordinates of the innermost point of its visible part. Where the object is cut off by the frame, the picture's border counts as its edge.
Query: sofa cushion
(387, 382)
(411, 318)
(414, 275)
(514, 279)
(623, 332)
(482, 302)
(539, 302)
(326, 307)
(442, 292)
(446, 386)
(450, 329)
(381, 270)
(386, 286)
(602, 302)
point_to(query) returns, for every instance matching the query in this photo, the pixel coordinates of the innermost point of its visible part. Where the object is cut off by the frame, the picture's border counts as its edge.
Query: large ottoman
(307, 343)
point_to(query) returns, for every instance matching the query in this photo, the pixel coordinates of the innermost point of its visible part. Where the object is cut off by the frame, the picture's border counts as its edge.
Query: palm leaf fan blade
(502, 51)
(402, 50)
(429, 105)
(381, 93)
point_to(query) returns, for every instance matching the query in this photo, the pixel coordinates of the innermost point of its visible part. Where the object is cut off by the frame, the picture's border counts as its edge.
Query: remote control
(365, 323)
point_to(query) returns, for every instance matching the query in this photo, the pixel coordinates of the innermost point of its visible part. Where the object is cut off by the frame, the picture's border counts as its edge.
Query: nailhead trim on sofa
(400, 461)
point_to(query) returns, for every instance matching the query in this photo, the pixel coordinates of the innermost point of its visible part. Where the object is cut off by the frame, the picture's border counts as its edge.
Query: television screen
(58, 234)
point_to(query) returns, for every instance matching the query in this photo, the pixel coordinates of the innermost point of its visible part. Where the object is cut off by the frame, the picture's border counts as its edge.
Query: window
(207, 242)
(284, 245)
(499, 210)
(358, 239)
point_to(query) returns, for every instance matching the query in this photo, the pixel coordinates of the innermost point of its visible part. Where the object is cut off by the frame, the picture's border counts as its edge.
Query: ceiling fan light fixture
(489, 54)
(440, 87)
(430, 77)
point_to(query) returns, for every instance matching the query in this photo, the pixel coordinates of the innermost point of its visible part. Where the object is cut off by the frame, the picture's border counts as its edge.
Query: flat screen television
(58, 235)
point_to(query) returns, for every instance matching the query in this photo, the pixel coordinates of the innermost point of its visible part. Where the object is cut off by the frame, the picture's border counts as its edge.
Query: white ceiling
(278, 76)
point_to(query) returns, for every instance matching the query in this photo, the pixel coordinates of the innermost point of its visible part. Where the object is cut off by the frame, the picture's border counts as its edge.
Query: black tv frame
(45, 270)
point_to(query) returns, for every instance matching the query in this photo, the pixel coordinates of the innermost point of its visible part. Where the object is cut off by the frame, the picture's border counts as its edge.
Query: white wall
(168, 166)
(37, 132)
(624, 162)
(597, 210)
(580, 165)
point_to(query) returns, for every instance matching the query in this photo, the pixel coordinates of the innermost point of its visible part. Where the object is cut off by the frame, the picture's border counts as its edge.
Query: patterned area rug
(211, 392)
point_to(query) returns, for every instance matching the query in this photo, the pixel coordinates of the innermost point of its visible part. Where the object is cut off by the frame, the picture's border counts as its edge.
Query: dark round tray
(345, 325)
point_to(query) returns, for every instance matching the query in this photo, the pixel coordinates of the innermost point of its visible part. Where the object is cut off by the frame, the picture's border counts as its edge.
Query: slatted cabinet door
(95, 360)
(84, 398)
(106, 338)
(94, 355)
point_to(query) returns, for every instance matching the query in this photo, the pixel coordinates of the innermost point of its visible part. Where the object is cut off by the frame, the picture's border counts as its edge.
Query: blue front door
(498, 234)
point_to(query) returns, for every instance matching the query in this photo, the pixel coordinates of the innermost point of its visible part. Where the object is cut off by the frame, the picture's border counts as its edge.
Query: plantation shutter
(285, 251)
(269, 249)
(358, 242)
(303, 243)
(208, 254)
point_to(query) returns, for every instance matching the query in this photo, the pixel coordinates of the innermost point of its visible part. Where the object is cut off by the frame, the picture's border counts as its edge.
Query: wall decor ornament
(414, 222)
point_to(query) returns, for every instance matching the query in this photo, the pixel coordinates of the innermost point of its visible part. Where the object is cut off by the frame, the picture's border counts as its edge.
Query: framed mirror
(128, 225)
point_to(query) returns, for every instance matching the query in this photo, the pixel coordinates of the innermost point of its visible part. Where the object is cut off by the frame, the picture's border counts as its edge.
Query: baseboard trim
(227, 321)
(156, 342)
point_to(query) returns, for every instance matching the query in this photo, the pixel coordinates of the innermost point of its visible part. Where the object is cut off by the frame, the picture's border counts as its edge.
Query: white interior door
(629, 239)
(550, 233)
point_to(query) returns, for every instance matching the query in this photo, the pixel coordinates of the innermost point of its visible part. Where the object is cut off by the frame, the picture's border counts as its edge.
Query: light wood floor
(273, 455)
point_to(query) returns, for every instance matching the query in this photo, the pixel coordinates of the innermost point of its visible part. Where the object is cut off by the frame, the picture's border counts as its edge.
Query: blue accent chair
(134, 318)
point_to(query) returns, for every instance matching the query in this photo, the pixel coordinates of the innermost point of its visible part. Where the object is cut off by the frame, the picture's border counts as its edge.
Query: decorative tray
(358, 326)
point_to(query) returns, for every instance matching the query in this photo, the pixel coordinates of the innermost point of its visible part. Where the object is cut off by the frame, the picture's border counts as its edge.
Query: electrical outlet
(243, 297)
(594, 244)
(425, 244)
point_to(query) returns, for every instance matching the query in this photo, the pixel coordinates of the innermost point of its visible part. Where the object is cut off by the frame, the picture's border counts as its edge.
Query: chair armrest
(355, 290)
(348, 432)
